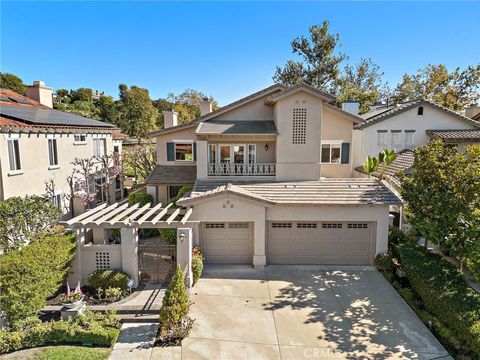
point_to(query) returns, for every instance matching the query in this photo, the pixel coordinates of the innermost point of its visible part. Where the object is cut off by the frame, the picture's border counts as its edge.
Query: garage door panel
(320, 243)
(227, 243)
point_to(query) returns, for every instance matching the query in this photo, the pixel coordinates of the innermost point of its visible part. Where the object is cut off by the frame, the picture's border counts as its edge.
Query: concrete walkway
(286, 313)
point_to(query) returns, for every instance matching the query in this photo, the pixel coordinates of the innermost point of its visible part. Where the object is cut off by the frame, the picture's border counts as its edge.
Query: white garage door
(227, 243)
(342, 243)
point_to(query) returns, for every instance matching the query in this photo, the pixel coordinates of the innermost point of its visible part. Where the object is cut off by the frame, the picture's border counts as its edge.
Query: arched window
(420, 110)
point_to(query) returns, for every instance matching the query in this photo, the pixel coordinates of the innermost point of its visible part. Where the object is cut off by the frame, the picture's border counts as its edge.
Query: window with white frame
(100, 189)
(232, 153)
(14, 154)
(331, 153)
(396, 137)
(409, 137)
(381, 137)
(252, 154)
(52, 152)
(183, 151)
(57, 201)
(79, 138)
(99, 147)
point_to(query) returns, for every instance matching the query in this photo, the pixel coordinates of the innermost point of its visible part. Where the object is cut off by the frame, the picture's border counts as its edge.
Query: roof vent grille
(354, 186)
(290, 186)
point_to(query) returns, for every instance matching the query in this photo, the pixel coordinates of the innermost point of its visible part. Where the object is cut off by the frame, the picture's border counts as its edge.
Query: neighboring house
(38, 145)
(406, 126)
(272, 181)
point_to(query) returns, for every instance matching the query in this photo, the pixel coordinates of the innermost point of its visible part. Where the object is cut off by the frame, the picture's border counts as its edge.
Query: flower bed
(100, 329)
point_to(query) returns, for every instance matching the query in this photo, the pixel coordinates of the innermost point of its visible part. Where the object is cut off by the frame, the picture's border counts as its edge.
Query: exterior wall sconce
(266, 147)
(182, 237)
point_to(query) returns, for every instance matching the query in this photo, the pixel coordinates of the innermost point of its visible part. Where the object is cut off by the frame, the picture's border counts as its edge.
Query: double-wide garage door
(227, 243)
(342, 243)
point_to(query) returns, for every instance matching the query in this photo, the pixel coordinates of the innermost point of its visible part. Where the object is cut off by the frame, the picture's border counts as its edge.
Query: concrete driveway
(280, 313)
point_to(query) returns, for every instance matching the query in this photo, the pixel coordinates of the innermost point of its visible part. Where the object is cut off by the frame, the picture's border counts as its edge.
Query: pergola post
(184, 253)
(129, 241)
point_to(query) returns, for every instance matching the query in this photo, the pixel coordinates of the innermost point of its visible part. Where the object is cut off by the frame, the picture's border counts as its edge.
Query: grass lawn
(71, 353)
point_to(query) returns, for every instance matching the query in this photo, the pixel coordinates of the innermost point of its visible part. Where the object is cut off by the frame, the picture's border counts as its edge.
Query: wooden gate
(156, 263)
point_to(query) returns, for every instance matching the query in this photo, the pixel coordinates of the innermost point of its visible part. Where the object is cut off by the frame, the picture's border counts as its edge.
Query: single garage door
(227, 243)
(342, 243)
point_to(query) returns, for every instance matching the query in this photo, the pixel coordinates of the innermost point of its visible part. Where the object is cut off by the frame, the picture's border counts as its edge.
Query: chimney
(472, 110)
(205, 106)
(41, 93)
(169, 118)
(351, 106)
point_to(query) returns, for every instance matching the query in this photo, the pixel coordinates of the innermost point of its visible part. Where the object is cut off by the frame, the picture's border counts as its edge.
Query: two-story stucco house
(272, 181)
(38, 144)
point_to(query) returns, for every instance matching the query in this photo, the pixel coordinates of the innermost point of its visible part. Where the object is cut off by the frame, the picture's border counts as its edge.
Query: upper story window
(183, 151)
(14, 154)
(52, 152)
(99, 147)
(299, 126)
(79, 139)
(381, 137)
(420, 110)
(331, 153)
(409, 137)
(396, 137)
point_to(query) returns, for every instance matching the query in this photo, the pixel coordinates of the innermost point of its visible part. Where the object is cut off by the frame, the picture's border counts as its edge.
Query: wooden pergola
(121, 215)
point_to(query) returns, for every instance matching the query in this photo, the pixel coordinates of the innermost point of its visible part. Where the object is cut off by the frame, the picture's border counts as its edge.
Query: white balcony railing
(227, 169)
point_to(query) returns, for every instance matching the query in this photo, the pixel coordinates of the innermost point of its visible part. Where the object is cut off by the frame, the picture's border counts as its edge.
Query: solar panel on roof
(50, 117)
(20, 101)
(4, 98)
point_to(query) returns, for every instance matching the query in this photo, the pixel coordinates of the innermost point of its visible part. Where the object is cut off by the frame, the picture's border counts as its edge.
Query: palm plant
(371, 165)
(386, 158)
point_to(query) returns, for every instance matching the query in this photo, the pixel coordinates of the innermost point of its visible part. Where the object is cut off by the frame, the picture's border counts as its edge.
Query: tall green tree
(25, 219)
(453, 90)
(186, 104)
(443, 196)
(12, 82)
(81, 94)
(138, 115)
(362, 82)
(319, 64)
(107, 109)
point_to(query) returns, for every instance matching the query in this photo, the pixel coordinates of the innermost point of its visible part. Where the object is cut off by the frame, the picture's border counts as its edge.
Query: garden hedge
(140, 198)
(96, 329)
(444, 292)
(109, 278)
(28, 277)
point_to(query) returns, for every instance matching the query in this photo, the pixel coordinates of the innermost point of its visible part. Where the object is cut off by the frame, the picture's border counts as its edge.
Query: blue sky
(227, 50)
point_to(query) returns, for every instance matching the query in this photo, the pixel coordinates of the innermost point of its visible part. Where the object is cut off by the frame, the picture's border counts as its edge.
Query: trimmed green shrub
(28, 277)
(108, 278)
(170, 235)
(384, 262)
(197, 263)
(444, 292)
(100, 329)
(175, 324)
(140, 198)
(183, 190)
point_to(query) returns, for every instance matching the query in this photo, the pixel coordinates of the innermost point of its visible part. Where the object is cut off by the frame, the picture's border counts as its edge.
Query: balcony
(228, 169)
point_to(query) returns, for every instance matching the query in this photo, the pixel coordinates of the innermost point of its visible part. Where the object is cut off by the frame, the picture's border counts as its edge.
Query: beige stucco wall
(163, 139)
(34, 159)
(337, 127)
(407, 120)
(255, 110)
(298, 161)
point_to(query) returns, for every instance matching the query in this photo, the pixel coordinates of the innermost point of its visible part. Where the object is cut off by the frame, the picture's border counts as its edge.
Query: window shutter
(170, 152)
(345, 153)
(194, 151)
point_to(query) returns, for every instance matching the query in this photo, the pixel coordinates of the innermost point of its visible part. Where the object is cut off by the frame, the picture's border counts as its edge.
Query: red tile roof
(12, 94)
